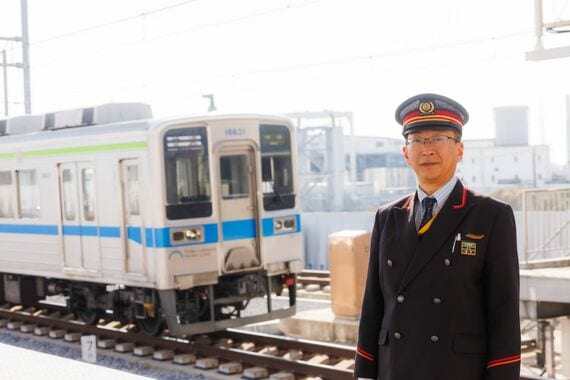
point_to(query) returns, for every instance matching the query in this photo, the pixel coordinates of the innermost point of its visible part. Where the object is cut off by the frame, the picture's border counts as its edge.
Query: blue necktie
(427, 203)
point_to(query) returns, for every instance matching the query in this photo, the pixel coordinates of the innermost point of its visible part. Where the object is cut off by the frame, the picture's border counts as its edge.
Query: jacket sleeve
(366, 362)
(501, 285)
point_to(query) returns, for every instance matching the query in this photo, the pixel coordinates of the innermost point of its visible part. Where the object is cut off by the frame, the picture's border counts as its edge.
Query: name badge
(468, 248)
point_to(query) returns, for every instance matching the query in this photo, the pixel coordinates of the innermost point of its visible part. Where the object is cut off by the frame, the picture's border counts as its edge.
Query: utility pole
(26, 57)
(25, 65)
(5, 82)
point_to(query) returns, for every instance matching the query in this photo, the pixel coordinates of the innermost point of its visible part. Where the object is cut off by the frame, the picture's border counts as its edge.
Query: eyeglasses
(435, 141)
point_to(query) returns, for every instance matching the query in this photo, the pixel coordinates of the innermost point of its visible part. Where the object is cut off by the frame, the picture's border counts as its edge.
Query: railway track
(231, 352)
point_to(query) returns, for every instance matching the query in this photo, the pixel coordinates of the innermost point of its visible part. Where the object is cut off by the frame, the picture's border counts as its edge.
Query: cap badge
(426, 108)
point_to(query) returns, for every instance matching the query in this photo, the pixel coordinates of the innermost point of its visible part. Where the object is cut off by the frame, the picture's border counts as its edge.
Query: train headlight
(284, 224)
(187, 235)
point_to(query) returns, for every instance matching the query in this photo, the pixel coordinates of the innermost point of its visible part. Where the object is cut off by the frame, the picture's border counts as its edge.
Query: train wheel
(88, 316)
(151, 326)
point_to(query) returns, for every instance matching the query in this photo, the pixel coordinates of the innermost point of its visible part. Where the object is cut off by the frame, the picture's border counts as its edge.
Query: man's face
(434, 163)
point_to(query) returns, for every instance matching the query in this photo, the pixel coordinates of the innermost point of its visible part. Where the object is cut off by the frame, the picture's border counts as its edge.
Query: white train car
(183, 220)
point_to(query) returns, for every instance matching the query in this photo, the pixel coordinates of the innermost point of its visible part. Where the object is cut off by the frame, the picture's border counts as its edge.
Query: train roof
(123, 126)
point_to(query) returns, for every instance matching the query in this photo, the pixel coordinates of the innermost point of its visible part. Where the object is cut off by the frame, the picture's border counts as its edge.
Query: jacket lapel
(450, 216)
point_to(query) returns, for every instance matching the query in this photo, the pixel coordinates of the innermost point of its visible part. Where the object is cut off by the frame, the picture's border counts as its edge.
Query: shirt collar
(440, 194)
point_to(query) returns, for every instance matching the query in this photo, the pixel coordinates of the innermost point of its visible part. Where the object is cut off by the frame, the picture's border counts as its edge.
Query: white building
(486, 165)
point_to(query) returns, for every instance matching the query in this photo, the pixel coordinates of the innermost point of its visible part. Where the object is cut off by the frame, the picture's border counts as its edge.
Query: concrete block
(56, 334)
(163, 355)
(207, 363)
(106, 343)
(27, 328)
(143, 351)
(3, 322)
(185, 359)
(282, 376)
(256, 373)
(320, 324)
(125, 347)
(14, 325)
(230, 368)
(41, 331)
(72, 337)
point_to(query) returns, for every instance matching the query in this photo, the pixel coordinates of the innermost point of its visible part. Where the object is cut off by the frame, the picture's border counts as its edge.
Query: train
(178, 223)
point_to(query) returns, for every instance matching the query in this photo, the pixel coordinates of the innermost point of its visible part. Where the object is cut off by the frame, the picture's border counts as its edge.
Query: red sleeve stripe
(504, 361)
(364, 354)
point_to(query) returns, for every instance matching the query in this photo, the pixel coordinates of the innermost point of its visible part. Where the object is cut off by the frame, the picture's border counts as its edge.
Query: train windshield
(276, 167)
(188, 193)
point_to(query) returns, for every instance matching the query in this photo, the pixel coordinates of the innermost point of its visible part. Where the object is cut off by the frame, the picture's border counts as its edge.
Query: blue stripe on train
(154, 237)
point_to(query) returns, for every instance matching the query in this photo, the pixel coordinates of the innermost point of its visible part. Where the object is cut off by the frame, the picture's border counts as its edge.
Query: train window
(234, 176)
(187, 173)
(133, 189)
(276, 167)
(68, 194)
(6, 195)
(88, 187)
(28, 194)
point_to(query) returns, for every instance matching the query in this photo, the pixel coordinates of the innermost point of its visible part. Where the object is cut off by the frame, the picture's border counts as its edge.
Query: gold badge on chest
(468, 248)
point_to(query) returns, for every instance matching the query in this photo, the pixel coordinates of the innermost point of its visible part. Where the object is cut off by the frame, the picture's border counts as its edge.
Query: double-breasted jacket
(443, 305)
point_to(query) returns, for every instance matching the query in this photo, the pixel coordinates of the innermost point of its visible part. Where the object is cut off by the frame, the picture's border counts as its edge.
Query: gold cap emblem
(426, 108)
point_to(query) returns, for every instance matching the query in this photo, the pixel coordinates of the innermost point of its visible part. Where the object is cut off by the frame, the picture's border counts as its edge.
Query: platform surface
(22, 364)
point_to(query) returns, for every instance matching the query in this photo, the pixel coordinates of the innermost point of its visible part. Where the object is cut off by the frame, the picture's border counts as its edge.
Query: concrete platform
(321, 324)
(544, 292)
(22, 364)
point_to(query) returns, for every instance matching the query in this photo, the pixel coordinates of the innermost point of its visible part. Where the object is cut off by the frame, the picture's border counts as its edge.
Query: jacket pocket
(469, 344)
(383, 337)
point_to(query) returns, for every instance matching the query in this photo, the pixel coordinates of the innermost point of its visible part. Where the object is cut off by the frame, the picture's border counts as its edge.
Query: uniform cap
(431, 111)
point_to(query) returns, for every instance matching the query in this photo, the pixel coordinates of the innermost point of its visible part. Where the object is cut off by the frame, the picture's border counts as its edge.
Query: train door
(79, 223)
(132, 217)
(238, 209)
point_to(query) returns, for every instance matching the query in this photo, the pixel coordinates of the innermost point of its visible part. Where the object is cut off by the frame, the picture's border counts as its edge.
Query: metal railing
(546, 227)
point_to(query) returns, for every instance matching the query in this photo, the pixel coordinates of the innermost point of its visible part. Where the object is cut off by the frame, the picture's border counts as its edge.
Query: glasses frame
(435, 141)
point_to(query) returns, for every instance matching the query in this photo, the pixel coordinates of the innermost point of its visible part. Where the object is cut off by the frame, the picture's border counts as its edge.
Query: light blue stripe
(110, 232)
(149, 237)
(154, 237)
(239, 229)
(36, 229)
(135, 234)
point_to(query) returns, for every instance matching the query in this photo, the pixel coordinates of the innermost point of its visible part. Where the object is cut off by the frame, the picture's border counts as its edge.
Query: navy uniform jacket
(443, 306)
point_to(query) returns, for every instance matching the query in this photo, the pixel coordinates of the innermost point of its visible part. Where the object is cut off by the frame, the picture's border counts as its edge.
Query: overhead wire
(325, 63)
(228, 21)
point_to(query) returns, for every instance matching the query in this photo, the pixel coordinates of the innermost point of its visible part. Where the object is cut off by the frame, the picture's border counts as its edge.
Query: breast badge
(468, 248)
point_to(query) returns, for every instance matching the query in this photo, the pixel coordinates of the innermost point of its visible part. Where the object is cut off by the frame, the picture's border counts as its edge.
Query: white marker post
(89, 348)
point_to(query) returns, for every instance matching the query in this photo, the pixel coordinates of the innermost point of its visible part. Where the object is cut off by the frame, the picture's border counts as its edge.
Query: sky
(281, 56)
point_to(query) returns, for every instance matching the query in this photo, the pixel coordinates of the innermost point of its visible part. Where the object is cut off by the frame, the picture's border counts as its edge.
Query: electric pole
(25, 64)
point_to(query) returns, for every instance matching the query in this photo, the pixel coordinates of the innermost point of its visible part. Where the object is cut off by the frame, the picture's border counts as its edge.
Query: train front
(232, 242)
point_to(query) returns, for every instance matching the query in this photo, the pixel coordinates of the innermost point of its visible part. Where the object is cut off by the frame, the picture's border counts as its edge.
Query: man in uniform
(442, 292)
